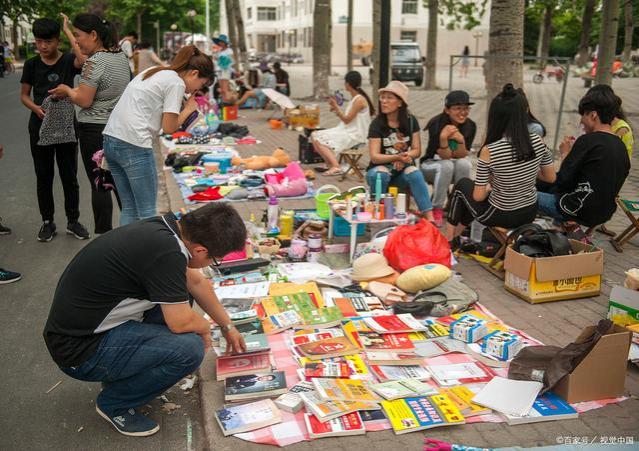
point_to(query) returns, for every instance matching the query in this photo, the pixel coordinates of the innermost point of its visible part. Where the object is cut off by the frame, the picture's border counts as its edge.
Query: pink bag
(288, 183)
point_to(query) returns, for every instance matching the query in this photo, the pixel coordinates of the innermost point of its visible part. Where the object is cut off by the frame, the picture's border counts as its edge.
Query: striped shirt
(513, 182)
(109, 73)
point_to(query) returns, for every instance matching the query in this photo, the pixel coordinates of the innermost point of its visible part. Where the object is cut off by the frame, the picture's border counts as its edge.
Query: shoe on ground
(7, 276)
(77, 230)
(130, 422)
(4, 230)
(438, 217)
(47, 231)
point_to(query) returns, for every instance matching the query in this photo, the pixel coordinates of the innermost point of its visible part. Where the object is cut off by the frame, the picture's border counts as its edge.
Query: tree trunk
(545, 32)
(505, 46)
(138, 24)
(607, 42)
(231, 24)
(375, 55)
(431, 46)
(586, 26)
(241, 36)
(629, 29)
(349, 37)
(14, 38)
(321, 48)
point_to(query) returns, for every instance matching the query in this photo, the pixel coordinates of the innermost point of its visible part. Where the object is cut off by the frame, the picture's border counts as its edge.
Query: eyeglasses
(215, 264)
(460, 108)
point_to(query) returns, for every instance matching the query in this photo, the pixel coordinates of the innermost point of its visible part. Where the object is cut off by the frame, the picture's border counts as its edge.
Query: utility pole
(384, 54)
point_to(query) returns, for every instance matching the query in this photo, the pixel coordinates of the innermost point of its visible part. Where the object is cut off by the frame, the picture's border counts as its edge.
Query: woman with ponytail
(104, 77)
(353, 127)
(152, 101)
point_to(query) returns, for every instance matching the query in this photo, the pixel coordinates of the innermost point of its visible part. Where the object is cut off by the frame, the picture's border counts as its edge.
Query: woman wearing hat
(394, 145)
(450, 136)
(224, 64)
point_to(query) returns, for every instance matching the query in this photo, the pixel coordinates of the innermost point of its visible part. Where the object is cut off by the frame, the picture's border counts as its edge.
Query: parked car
(407, 62)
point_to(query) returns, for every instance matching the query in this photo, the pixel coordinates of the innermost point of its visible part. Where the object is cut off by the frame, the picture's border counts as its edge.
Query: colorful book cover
(547, 407)
(392, 390)
(353, 328)
(254, 384)
(391, 373)
(254, 343)
(248, 363)
(374, 341)
(394, 323)
(345, 390)
(250, 328)
(331, 316)
(248, 417)
(327, 369)
(291, 400)
(346, 307)
(349, 424)
(300, 339)
(393, 358)
(462, 396)
(310, 288)
(461, 373)
(414, 414)
(332, 347)
(326, 409)
(285, 320)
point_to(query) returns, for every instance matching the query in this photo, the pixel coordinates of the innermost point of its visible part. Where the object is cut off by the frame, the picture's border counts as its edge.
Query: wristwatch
(229, 327)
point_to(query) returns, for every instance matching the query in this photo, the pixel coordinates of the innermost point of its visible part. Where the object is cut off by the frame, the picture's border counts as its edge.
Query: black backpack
(533, 241)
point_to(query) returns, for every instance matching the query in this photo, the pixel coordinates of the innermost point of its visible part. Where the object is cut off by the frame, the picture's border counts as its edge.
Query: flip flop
(333, 172)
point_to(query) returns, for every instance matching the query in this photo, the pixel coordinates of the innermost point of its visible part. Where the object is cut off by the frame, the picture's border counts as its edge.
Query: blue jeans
(137, 362)
(135, 176)
(548, 204)
(412, 178)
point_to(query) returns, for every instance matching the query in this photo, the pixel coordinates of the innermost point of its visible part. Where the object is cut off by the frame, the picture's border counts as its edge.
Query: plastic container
(378, 187)
(476, 231)
(272, 213)
(321, 200)
(342, 228)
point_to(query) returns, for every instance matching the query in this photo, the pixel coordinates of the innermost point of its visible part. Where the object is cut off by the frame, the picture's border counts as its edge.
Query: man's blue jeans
(548, 205)
(135, 176)
(137, 362)
(410, 176)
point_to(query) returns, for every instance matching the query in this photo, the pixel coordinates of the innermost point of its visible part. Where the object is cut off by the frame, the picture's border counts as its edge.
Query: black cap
(457, 98)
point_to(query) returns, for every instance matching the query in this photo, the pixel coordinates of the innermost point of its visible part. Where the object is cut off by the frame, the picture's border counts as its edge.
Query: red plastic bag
(412, 245)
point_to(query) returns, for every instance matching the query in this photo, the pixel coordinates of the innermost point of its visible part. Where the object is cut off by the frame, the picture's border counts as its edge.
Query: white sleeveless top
(344, 136)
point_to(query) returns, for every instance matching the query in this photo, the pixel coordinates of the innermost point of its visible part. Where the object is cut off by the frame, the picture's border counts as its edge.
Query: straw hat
(370, 266)
(398, 88)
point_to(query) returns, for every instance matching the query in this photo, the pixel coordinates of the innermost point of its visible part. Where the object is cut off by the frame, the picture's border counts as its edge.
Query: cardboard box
(623, 306)
(602, 373)
(555, 278)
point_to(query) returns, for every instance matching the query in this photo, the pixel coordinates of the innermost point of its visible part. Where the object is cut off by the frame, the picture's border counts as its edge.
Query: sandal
(333, 172)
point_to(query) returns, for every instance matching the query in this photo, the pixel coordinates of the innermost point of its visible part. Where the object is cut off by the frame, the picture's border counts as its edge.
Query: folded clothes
(211, 193)
(238, 194)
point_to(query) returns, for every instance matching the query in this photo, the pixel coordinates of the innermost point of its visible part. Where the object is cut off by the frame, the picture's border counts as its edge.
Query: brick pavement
(555, 323)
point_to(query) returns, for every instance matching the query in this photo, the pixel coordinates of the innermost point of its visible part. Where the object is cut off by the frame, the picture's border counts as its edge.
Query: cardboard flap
(609, 350)
(587, 263)
(517, 264)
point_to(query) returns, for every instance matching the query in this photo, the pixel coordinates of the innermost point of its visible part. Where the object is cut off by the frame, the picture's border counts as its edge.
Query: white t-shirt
(137, 118)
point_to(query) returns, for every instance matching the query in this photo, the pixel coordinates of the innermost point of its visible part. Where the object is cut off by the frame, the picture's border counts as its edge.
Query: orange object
(229, 113)
(275, 124)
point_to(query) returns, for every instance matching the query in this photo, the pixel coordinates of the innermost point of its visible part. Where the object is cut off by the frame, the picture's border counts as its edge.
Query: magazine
(252, 386)
(344, 390)
(424, 412)
(248, 417)
(327, 409)
(349, 424)
(322, 349)
(387, 324)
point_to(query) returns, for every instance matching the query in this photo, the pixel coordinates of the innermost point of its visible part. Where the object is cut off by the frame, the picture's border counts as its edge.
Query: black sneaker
(7, 276)
(130, 422)
(77, 230)
(47, 231)
(4, 230)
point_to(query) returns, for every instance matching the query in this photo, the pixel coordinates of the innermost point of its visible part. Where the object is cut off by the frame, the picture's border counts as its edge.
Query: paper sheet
(243, 291)
(509, 396)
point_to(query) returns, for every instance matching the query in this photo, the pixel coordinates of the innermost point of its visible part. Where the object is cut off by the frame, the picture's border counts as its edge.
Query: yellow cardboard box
(547, 279)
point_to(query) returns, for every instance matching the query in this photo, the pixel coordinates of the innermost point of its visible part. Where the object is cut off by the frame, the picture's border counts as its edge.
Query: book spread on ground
(349, 424)
(252, 386)
(508, 396)
(322, 349)
(447, 375)
(393, 358)
(238, 365)
(318, 334)
(248, 417)
(547, 407)
(424, 412)
(388, 324)
(281, 321)
(404, 388)
(391, 373)
(462, 396)
(254, 343)
(374, 341)
(345, 390)
(340, 369)
(327, 409)
(291, 400)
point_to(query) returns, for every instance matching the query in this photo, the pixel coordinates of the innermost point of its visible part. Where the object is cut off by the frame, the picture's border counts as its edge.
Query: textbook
(388, 324)
(281, 321)
(374, 341)
(239, 365)
(448, 375)
(404, 388)
(248, 417)
(391, 373)
(393, 358)
(349, 424)
(291, 400)
(322, 349)
(419, 413)
(462, 397)
(547, 407)
(327, 409)
(252, 386)
(339, 369)
(254, 343)
(344, 390)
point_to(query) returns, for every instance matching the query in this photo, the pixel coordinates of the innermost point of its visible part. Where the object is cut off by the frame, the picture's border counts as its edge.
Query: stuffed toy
(288, 183)
(279, 159)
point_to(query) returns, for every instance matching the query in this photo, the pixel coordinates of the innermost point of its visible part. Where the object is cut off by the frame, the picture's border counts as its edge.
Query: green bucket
(321, 200)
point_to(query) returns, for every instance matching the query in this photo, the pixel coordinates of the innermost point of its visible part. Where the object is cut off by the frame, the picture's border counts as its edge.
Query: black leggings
(462, 208)
(91, 141)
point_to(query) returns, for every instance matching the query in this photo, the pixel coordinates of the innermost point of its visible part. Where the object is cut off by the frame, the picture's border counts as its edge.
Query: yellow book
(461, 405)
(269, 306)
(419, 413)
(464, 394)
(283, 288)
(345, 390)
(351, 329)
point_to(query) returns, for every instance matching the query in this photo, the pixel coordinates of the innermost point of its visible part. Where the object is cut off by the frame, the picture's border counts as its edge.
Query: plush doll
(279, 159)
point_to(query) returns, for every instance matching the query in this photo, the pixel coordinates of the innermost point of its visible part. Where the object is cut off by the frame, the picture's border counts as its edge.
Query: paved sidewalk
(556, 323)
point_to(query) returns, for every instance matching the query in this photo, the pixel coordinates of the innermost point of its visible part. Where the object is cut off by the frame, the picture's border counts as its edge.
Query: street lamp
(477, 35)
(192, 13)
(174, 27)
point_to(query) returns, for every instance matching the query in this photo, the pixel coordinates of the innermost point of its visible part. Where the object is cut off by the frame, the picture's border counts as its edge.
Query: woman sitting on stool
(353, 127)
(504, 192)
(394, 145)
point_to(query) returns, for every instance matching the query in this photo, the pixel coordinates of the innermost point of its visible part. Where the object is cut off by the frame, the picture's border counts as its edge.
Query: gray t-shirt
(109, 73)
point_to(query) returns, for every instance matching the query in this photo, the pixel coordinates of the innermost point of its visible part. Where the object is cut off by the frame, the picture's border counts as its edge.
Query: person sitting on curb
(593, 169)
(121, 313)
(450, 137)
(394, 145)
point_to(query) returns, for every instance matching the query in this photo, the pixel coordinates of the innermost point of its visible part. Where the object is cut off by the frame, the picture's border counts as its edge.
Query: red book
(338, 369)
(349, 424)
(385, 324)
(373, 341)
(307, 338)
(239, 365)
(346, 307)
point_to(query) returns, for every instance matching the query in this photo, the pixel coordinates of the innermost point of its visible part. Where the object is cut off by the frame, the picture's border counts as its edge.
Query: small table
(335, 210)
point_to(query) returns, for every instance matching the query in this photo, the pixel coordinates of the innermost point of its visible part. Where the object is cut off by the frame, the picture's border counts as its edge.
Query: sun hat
(370, 266)
(398, 88)
(457, 98)
(222, 39)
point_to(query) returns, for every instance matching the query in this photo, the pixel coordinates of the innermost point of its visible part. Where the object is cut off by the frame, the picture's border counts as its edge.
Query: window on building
(409, 6)
(408, 35)
(249, 13)
(283, 39)
(294, 7)
(266, 13)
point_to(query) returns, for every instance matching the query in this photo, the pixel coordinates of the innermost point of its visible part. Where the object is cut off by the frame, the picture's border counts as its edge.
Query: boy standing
(40, 74)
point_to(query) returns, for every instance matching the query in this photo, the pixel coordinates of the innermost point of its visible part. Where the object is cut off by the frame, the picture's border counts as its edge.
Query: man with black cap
(450, 137)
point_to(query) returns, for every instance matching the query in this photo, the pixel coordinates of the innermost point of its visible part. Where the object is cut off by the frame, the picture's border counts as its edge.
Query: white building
(285, 26)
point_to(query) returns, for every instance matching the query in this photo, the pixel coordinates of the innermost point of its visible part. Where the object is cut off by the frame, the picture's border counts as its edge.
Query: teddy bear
(278, 159)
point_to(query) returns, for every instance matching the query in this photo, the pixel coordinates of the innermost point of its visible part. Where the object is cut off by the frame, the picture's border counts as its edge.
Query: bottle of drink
(476, 231)
(378, 187)
(272, 214)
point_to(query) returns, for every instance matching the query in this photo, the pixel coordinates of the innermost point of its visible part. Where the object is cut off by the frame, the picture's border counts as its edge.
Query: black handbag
(531, 240)
(307, 154)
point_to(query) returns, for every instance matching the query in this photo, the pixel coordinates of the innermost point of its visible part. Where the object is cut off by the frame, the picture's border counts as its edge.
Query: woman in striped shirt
(509, 163)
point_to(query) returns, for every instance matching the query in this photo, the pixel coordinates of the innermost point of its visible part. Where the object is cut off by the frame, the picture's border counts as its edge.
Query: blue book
(547, 407)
